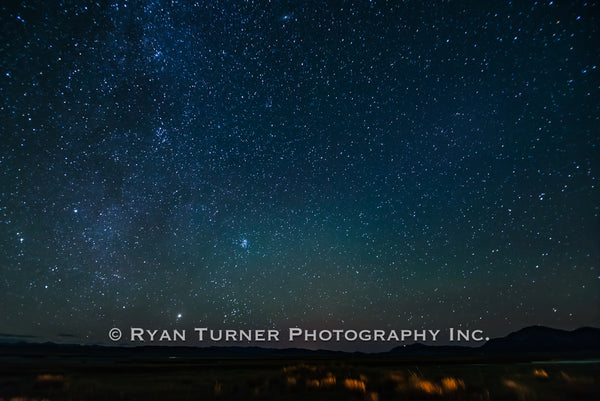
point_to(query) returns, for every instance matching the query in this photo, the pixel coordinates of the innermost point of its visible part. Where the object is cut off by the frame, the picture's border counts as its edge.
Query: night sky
(271, 164)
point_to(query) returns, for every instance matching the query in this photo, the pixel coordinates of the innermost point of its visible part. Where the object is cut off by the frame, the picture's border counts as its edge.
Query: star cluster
(326, 164)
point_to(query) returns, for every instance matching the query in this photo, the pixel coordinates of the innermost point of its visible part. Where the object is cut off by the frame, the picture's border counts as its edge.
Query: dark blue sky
(267, 164)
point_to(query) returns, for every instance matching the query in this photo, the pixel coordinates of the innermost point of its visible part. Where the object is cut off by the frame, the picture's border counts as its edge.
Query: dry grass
(322, 380)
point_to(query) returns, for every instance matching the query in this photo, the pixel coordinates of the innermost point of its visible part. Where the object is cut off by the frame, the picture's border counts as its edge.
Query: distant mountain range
(545, 339)
(530, 343)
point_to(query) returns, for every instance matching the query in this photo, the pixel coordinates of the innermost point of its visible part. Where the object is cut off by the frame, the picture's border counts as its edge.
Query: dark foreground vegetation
(319, 378)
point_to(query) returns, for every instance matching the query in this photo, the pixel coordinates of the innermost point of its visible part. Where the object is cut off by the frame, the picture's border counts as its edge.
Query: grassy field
(307, 379)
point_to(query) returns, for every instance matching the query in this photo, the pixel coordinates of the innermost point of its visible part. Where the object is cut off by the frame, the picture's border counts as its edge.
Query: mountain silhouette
(545, 339)
(531, 342)
(534, 341)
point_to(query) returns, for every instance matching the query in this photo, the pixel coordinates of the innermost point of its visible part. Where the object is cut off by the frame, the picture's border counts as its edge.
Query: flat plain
(359, 377)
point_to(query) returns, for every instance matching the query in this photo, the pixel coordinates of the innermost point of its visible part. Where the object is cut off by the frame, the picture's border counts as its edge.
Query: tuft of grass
(355, 385)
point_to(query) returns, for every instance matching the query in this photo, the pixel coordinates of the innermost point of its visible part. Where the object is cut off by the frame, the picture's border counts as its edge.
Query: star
(361, 166)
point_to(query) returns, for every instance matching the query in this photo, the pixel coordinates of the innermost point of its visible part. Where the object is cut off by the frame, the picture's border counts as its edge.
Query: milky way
(270, 164)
